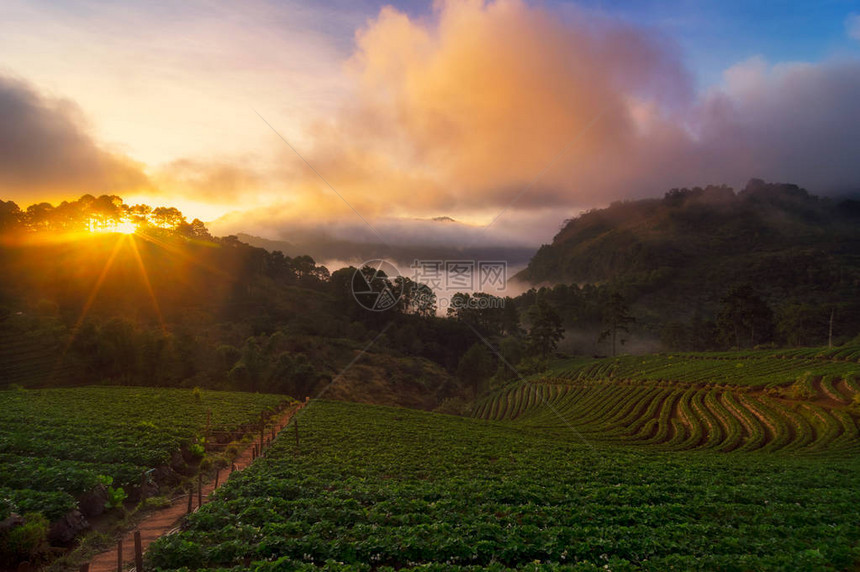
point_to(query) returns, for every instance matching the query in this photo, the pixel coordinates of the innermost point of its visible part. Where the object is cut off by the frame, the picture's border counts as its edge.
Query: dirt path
(164, 520)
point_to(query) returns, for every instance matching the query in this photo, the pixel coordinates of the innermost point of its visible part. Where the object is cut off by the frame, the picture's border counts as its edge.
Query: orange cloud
(465, 109)
(46, 152)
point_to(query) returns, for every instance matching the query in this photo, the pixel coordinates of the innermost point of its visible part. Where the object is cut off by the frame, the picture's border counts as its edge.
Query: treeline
(742, 318)
(94, 214)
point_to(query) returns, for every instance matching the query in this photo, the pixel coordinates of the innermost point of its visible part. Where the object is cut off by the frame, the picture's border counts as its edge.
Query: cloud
(486, 104)
(465, 110)
(223, 181)
(795, 122)
(479, 108)
(46, 151)
(852, 26)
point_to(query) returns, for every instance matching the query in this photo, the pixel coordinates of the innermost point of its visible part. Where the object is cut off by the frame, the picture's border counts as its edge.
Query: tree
(616, 318)
(475, 366)
(511, 350)
(546, 328)
(744, 316)
(10, 216)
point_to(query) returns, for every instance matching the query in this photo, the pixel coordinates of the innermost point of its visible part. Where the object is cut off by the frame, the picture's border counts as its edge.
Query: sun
(122, 227)
(126, 228)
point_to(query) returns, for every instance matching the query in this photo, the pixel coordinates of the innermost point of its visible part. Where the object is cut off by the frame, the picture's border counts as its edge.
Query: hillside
(677, 256)
(96, 291)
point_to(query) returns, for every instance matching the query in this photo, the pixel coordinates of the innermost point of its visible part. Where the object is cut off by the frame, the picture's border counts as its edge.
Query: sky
(360, 120)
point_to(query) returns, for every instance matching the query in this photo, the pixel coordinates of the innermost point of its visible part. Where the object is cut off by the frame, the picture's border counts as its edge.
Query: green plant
(116, 496)
(25, 542)
(156, 502)
(197, 449)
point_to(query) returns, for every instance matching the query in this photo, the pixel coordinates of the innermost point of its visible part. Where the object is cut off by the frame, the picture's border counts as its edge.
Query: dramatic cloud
(465, 110)
(486, 104)
(47, 153)
(477, 109)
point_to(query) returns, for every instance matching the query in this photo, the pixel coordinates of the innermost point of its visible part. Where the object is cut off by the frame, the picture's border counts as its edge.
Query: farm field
(798, 401)
(59, 444)
(375, 488)
(754, 368)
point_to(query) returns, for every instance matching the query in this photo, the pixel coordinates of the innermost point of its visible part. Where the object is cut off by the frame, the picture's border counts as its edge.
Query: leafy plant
(25, 542)
(116, 496)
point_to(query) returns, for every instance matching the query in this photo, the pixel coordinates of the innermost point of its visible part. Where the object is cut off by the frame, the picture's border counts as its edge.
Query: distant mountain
(402, 254)
(683, 252)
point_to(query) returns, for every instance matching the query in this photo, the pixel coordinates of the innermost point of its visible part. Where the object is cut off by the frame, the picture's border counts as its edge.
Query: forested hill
(692, 245)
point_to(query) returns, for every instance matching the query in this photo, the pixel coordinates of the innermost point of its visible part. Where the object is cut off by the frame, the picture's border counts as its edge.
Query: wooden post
(84, 567)
(233, 468)
(190, 498)
(217, 474)
(119, 555)
(138, 552)
(199, 490)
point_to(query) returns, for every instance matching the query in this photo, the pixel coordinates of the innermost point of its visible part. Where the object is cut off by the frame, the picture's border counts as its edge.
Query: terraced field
(793, 403)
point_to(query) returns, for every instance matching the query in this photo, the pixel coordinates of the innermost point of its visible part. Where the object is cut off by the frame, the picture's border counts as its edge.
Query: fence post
(199, 490)
(119, 555)
(217, 474)
(190, 498)
(138, 552)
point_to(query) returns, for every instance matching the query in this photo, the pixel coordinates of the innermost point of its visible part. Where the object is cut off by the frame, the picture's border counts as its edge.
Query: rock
(93, 503)
(165, 475)
(67, 528)
(11, 522)
(177, 462)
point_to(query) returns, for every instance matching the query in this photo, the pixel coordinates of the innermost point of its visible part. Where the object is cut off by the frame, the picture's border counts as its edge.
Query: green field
(57, 444)
(374, 488)
(754, 368)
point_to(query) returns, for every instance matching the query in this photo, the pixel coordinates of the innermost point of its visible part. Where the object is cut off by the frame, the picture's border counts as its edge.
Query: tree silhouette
(744, 316)
(616, 318)
(546, 328)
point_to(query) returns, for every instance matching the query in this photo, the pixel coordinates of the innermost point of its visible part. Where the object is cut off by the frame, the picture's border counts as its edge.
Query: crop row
(707, 418)
(58, 444)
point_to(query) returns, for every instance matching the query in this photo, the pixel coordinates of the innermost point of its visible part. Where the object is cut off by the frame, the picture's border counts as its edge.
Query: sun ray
(182, 255)
(146, 282)
(91, 298)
